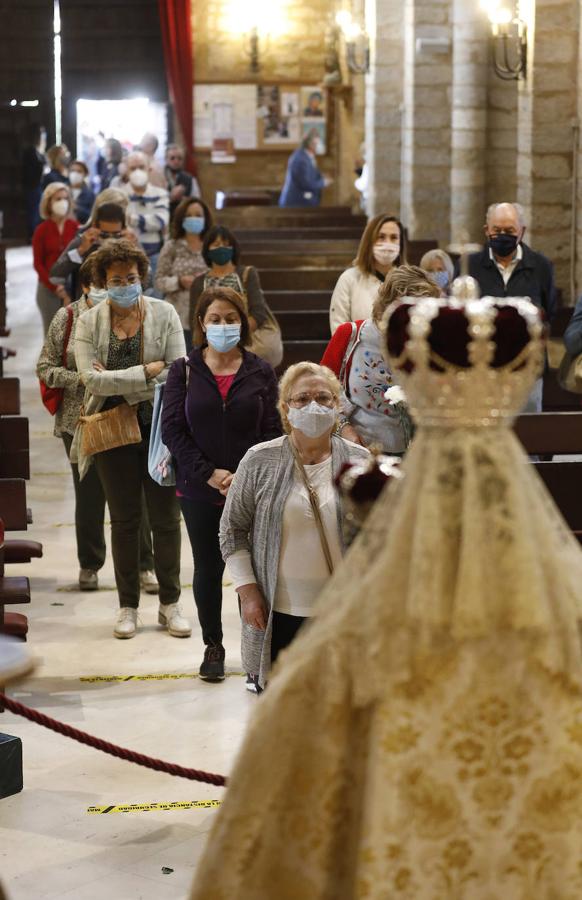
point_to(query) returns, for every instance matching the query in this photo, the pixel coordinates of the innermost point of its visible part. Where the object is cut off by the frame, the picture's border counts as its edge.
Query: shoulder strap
(314, 501)
(245, 276)
(348, 353)
(186, 372)
(68, 330)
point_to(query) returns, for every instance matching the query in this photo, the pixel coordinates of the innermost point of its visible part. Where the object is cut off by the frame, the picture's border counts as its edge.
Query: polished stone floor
(50, 846)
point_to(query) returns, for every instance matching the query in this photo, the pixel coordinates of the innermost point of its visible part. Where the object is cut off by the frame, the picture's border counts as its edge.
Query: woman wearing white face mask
(382, 247)
(83, 196)
(48, 242)
(148, 210)
(280, 532)
(56, 368)
(217, 404)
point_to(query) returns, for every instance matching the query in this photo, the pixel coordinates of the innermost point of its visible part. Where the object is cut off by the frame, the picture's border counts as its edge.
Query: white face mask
(76, 178)
(386, 252)
(312, 420)
(138, 178)
(60, 207)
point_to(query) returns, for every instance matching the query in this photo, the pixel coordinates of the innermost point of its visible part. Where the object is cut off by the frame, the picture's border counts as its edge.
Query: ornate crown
(464, 362)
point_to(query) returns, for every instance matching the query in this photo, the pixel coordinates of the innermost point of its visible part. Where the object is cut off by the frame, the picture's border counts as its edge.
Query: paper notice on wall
(222, 108)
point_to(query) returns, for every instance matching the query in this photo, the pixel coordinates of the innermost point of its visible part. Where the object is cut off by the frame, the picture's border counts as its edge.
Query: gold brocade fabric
(422, 739)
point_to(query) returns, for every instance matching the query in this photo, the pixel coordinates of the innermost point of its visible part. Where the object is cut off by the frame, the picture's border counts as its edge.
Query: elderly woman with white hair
(440, 267)
(148, 211)
(50, 238)
(280, 532)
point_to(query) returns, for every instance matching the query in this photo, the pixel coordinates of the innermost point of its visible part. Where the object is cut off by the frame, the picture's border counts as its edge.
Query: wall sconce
(508, 40)
(255, 22)
(357, 43)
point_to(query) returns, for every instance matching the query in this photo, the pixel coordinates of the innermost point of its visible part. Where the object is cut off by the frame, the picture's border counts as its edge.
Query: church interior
(251, 194)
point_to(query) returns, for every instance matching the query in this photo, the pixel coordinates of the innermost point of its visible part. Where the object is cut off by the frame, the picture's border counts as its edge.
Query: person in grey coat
(277, 554)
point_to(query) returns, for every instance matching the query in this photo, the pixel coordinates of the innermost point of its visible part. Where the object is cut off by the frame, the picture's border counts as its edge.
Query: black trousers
(89, 520)
(125, 479)
(285, 628)
(202, 520)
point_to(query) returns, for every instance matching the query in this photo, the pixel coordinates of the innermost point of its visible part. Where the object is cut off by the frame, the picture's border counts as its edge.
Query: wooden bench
(283, 301)
(316, 233)
(9, 397)
(299, 279)
(14, 447)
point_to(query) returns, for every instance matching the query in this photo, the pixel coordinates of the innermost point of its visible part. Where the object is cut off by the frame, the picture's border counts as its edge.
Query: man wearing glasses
(180, 184)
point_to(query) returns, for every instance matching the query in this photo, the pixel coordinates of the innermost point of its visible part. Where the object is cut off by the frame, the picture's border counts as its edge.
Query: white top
(302, 570)
(507, 271)
(353, 297)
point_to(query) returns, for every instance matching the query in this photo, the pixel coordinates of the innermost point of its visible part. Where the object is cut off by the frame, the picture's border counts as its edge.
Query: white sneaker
(126, 624)
(171, 616)
(149, 582)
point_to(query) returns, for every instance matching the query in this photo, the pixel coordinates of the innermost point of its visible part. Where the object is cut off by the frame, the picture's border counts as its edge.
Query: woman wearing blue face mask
(439, 266)
(123, 348)
(221, 253)
(218, 403)
(280, 533)
(181, 259)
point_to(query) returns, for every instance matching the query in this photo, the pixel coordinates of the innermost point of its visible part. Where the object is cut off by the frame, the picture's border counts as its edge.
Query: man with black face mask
(506, 267)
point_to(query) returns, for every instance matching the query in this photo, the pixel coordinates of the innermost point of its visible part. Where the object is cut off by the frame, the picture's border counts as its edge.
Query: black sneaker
(212, 668)
(252, 683)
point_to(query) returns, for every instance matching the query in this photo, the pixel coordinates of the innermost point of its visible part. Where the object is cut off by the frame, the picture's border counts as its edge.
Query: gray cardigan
(252, 520)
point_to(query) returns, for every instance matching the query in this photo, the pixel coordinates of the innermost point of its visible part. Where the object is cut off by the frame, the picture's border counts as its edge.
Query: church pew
(9, 397)
(315, 233)
(292, 300)
(14, 447)
(297, 260)
(564, 482)
(299, 279)
(279, 214)
(13, 504)
(300, 351)
(551, 433)
(304, 324)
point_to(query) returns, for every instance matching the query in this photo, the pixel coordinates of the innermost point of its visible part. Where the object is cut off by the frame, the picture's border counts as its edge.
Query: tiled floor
(50, 847)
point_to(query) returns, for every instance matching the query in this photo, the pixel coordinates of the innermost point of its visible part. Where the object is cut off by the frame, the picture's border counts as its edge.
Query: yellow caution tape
(171, 677)
(153, 807)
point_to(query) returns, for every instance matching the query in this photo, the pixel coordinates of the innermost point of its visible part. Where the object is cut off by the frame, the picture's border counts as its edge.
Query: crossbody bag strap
(314, 501)
(68, 330)
(350, 347)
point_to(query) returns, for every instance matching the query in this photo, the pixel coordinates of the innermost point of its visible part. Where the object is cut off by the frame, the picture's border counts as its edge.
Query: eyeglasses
(324, 398)
(110, 235)
(121, 282)
(174, 156)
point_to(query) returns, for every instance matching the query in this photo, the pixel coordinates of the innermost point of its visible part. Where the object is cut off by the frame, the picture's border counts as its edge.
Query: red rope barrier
(120, 752)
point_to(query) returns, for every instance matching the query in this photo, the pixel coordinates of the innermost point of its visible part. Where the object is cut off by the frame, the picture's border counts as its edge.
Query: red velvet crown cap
(449, 336)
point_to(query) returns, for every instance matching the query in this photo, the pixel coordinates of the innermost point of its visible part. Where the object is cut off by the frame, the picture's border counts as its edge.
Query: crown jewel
(464, 362)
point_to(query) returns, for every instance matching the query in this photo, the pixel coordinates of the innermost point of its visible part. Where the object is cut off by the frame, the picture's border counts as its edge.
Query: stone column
(547, 108)
(426, 151)
(384, 98)
(469, 121)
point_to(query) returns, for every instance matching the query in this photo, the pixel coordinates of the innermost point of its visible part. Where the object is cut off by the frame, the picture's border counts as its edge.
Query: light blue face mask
(126, 295)
(441, 278)
(223, 337)
(194, 224)
(97, 295)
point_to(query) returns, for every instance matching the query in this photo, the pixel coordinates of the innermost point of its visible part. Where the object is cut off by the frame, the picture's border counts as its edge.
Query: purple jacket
(203, 433)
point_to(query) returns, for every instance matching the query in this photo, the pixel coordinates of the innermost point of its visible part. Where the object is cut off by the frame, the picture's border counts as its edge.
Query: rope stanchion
(19, 709)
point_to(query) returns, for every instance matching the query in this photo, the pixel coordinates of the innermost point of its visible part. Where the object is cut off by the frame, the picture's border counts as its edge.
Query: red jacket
(337, 347)
(48, 244)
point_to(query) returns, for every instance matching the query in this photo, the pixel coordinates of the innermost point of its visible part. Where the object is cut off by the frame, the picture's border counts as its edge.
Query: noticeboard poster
(259, 117)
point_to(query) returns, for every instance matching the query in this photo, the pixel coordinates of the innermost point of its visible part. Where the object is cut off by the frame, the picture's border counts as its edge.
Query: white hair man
(148, 211)
(507, 267)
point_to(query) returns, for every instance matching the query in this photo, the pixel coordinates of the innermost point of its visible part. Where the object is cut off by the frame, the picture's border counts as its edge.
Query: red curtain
(176, 24)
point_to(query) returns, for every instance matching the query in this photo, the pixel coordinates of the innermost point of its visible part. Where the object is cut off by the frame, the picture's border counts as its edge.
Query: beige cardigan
(353, 297)
(163, 338)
